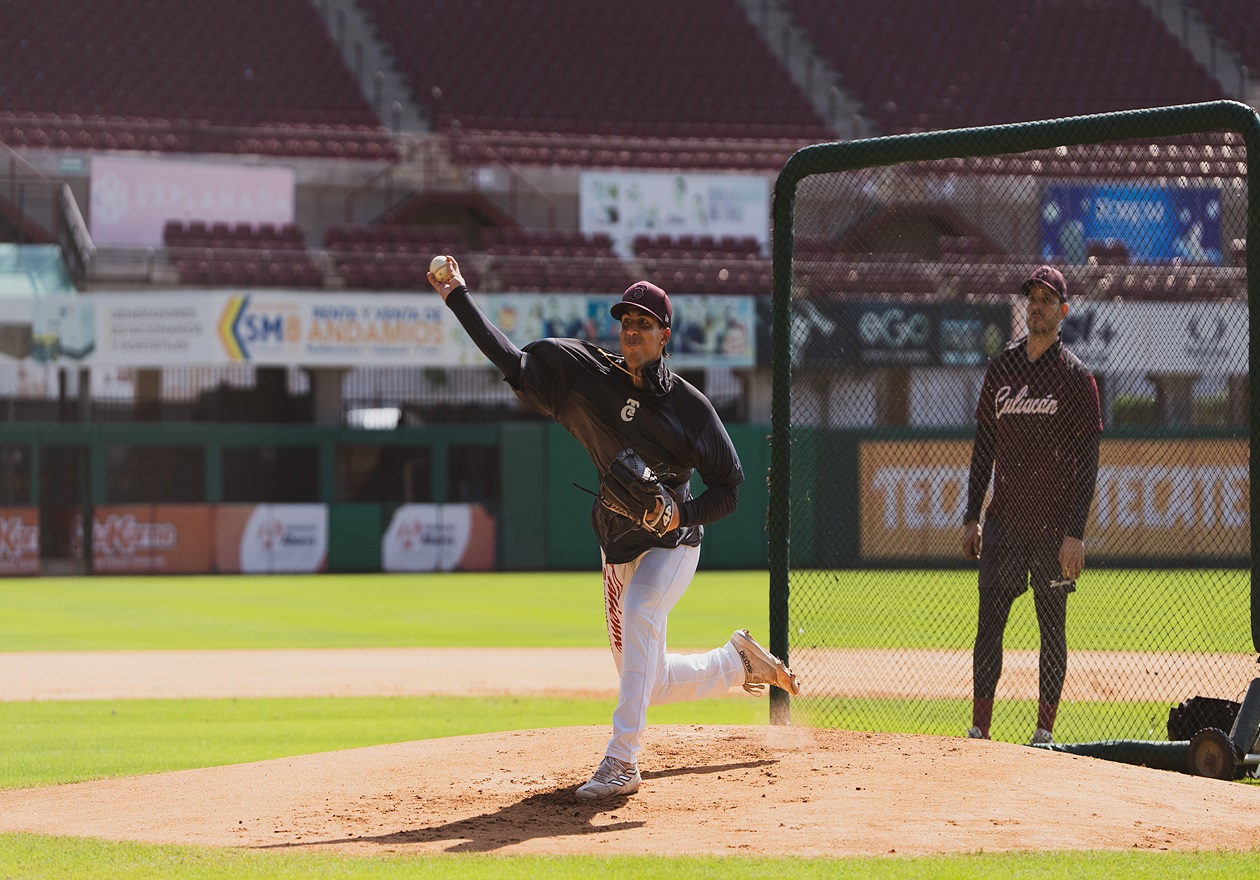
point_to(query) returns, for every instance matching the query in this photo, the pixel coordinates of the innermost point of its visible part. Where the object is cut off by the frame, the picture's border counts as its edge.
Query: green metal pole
(1251, 135)
(778, 515)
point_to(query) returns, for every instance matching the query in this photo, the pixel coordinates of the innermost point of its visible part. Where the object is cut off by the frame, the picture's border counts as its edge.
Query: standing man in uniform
(1037, 431)
(610, 403)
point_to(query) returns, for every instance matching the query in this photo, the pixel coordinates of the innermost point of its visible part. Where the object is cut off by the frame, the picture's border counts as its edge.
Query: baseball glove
(630, 488)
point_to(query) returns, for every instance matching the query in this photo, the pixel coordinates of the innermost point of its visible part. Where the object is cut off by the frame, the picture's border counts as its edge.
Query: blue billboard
(1156, 224)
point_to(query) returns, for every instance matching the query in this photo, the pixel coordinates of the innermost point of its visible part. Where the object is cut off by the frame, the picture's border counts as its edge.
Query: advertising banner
(831, 333)
(277, 328)
(1154, 223)
(439, 537)
(152, 539)
(629, 203)
(1172, 499)
(913, 497)
(714, 331)
(19, 541)
(131, 199)
(271, 538)
(1172, 338)
(1188, 498)
(334, 329)
(262, 327)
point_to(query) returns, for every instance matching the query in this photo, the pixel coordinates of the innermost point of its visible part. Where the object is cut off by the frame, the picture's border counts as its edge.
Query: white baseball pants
(638, 597)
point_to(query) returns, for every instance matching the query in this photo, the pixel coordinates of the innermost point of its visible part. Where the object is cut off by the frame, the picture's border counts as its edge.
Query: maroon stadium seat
(1112, 55)
(155, 75)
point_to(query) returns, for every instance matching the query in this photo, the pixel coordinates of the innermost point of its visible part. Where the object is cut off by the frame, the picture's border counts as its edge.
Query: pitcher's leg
(699, 676)
(615, 579)
(657, 582)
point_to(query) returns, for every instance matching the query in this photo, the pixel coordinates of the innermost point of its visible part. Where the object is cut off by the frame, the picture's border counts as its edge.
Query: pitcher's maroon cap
(646, 296)
(1050, 277)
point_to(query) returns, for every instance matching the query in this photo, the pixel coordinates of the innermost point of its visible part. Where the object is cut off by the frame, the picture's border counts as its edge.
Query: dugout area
(897, 265)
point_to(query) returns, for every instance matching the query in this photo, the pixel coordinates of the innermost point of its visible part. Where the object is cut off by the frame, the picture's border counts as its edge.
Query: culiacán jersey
(1037, 413)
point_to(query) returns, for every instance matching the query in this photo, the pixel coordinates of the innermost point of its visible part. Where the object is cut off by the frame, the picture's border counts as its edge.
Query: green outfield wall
(144, 483)
(160, 479)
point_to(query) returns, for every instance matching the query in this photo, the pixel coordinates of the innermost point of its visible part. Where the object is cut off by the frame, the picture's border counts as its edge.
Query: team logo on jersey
(628, 411)
(1022, 404)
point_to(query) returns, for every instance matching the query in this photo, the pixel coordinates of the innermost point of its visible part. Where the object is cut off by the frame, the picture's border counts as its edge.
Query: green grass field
(565, 609)
(1112, 609)
(46, 743)
(50, 742)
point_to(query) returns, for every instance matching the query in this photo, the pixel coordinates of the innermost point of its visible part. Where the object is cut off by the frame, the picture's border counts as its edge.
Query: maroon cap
(1050, 277)
(646, 296)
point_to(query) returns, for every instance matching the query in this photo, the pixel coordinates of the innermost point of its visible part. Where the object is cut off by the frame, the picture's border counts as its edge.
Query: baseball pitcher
(646, 430)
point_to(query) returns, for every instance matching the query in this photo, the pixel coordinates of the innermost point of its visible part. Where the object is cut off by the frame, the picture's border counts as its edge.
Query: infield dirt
(706, 789)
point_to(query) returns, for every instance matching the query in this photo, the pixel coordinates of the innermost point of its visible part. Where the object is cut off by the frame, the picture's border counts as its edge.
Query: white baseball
(440, 268)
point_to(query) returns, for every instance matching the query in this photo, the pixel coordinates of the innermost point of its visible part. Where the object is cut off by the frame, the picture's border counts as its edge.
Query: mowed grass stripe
(1112, 610)
(348, 611)
(69, 858)
(46, 743)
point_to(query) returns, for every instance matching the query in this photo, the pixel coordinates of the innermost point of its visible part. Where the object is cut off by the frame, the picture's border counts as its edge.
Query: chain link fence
(899, 271)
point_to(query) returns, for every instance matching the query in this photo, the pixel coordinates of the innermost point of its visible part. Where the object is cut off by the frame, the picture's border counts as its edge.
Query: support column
(1106, 398)
(326, 396)
(1239, 401)
(758, 392)
(1173, 399)
(892, 405)
(148, 395)
(85, 395)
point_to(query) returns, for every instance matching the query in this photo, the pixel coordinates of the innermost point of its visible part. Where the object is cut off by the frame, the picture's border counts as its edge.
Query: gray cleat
(613, 778)
(761, 667)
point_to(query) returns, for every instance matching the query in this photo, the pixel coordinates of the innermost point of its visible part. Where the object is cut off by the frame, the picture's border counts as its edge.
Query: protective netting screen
(908, 337)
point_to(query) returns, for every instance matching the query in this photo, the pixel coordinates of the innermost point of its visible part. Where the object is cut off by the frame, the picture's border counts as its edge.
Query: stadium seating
(704, 93)
(571, 82)
(522, 241)
(686, 276)
(561, 275)
(1211, 156)
(1164, 283)
(392, 256)
(1237, 22)
(554, 260)
(228, 83)
(704, 263)
(240, 255)
(380, 272)
(709, 153)
(971, 270)
(868, 277)
(392, 239)
(231, 76)
(652, 68)
(697, 247)
(924, 65)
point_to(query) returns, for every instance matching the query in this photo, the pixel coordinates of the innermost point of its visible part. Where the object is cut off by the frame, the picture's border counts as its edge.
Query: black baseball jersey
(1037, 413)
(670, 423)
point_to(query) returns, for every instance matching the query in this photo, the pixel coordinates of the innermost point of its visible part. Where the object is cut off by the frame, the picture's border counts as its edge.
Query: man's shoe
(1041, 737)
(976, 733)
(613, 778)
(761, 667)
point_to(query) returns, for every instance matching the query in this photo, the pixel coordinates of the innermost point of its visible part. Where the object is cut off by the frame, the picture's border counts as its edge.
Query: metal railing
(45, 211)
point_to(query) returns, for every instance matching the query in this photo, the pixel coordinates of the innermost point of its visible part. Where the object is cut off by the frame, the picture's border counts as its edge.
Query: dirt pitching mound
(725, 790)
